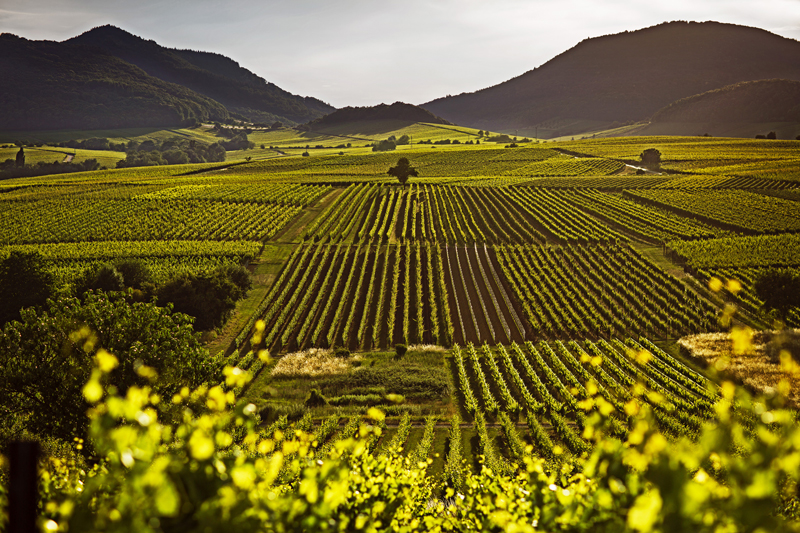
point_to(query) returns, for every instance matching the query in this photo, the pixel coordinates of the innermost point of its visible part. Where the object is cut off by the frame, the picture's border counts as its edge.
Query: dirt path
(265, 269)
(293, 230)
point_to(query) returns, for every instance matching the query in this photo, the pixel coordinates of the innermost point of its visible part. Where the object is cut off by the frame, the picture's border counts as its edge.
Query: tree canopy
(403, 170)
(651, 158)
(779, 290)
(48, 356)
(24, 282)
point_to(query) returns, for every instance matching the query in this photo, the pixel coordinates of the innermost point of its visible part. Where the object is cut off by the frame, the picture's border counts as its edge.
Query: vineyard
(740, 211)
(500, 310)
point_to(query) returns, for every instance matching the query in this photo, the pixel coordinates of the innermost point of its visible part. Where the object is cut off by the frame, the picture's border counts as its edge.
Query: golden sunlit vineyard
(505, 326)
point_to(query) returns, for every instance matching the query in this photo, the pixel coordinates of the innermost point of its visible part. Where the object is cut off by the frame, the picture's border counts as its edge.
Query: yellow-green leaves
(93, 390)
(106, 362)
(201, 445)
(644, 514)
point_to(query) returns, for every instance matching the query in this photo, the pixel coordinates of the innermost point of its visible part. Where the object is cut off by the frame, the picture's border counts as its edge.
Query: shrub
(316, 399)
(210, 298)
(400, 350)
(99, 278)
(24, 282)
(341, 352)
(135, 273)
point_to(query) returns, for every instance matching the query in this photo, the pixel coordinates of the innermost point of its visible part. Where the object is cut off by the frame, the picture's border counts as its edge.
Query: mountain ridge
(626, 76)
(51, 85)
(239, 89)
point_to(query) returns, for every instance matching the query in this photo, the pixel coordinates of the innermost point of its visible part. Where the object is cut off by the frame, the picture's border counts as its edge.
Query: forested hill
(50, 85)
(397, 111)
(750, 101)
(627, 76)
(213, 75)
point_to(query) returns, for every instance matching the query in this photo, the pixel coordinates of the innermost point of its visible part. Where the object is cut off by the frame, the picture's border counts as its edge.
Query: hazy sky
(364, 52)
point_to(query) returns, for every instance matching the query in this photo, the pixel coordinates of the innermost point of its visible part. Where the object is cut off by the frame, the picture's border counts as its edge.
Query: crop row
(600, 291)
(359, 297)
(733, 209)
(752, 251)
(560, 377)
(69, 220)
(746, 298)
(560, 220)
(274, 193)
(423, 212)
(643, 221)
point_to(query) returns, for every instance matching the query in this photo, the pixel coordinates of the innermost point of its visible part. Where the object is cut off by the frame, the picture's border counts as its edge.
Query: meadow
(514, 276)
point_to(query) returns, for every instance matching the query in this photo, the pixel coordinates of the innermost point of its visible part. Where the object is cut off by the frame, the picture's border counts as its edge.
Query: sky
(366, 52)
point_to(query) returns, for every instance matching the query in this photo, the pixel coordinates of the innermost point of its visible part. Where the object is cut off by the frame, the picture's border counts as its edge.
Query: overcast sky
(364, 52)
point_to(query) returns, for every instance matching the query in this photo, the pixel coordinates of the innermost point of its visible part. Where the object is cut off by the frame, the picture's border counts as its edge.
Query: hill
(50, 85)
(743, 109)
(624, 77)
(398, 111)
(212, 75)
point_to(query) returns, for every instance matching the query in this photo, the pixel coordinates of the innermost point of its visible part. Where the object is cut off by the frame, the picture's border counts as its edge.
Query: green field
(517, 278)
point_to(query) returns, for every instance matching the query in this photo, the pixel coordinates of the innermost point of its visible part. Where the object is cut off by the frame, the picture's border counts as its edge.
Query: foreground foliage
(215, 469)
(46, 360)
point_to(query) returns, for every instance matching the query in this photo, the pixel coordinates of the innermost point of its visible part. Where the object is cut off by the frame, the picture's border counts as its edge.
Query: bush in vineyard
(209, 298)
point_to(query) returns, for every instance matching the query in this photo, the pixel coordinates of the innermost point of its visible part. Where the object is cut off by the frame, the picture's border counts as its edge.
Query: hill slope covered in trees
(50, 85)
(625, 77)
(109, 78)
(396, 111)
(213, 75)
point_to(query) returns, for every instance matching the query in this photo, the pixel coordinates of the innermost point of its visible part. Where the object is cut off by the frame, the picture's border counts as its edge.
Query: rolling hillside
(398, 111)
(743, 109)
(624, 77)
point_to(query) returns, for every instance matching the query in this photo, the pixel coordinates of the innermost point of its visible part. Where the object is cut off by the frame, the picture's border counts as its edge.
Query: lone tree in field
(403, 170)
(651, 158)
(20, 158)
(779, 290)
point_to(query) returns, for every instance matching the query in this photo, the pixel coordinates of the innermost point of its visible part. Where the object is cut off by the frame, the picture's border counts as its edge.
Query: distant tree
(651, 158)
(403, 170)
(779, 290)
(176, 157)
(480, 133)
(21, 157)
(797, 138)
(215, 153)
(771, 135)
(384, 146)
(277, 125)
(761, 136)
(25, 281)
(209, 297)
(135, 273)
(305, 154)
(404, 139)
(99, 278)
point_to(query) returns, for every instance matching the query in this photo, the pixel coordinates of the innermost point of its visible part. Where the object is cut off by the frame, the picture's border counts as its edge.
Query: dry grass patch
(756, 366)
(426, 348)
(312, 362)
